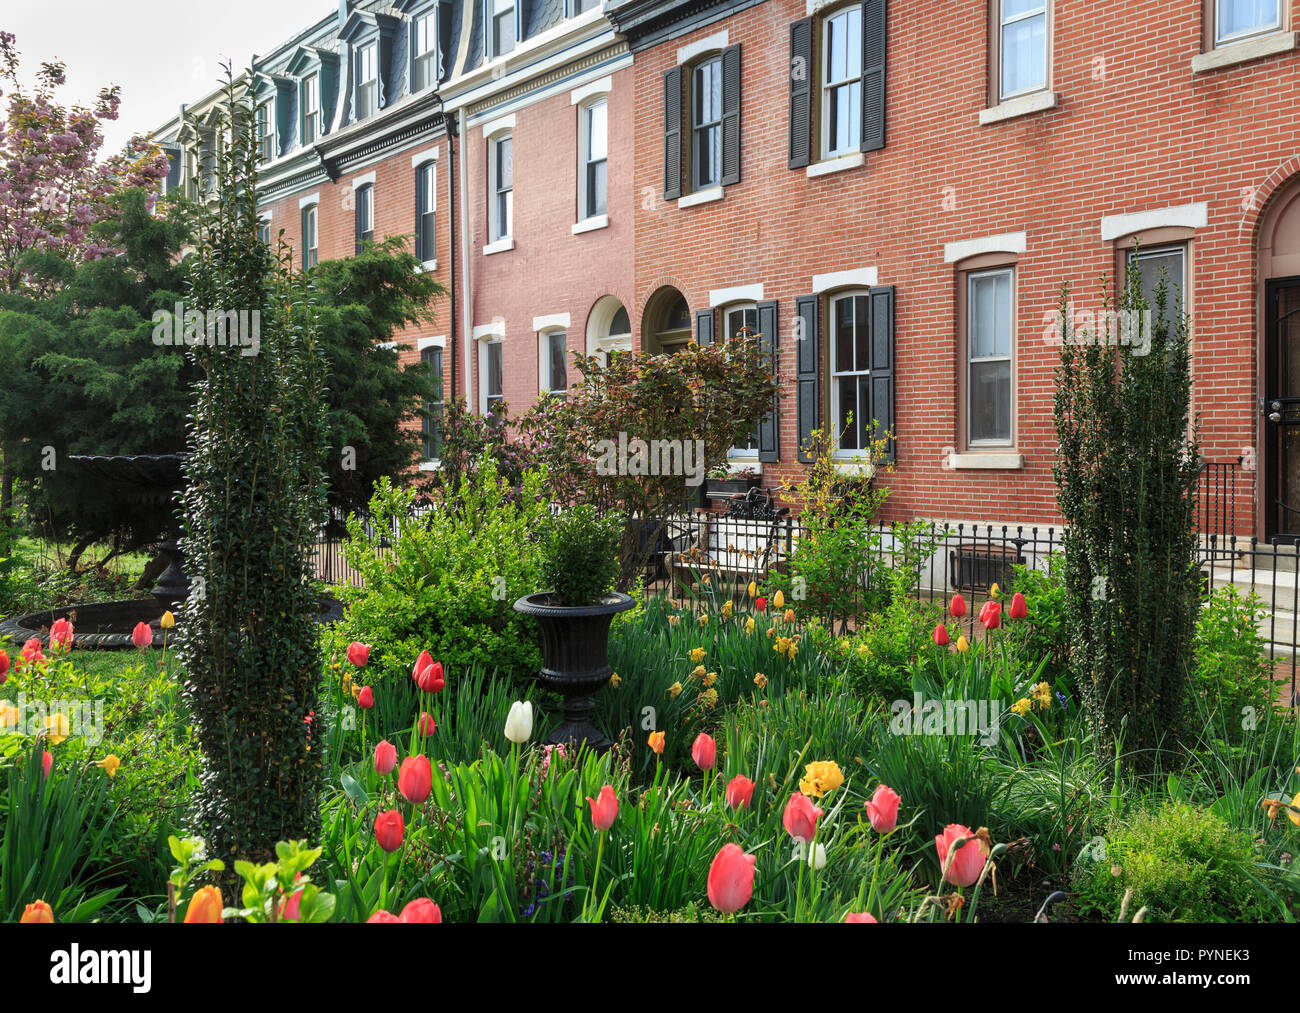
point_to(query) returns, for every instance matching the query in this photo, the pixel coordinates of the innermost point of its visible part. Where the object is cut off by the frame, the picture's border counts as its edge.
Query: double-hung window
(492, 379)
(851, 371)
(365, 208)
(552, 365)
(990, 316)
(1022, 47)
(433, 408)
(741, 321)
(367, 80)
(310, 108)
(594, 154)
(266, 131)
(706, 124)
(1167, 265)
(426, 212)
(842, 82)
(424, 48)
(1235, 20)
(501, 153)
(309, 236)
(501, 27)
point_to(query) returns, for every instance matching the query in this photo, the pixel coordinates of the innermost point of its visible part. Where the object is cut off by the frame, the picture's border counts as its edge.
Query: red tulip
(31, 651)
(141, 636)
(358, 653)
(882, 810)
(731, 879)
(740, 791)
(415, 779)
(427, 725)
(290, 908)
(389, 829)
(47, 762)
(385, 757)
(382, 917)
(800, 817)
(958, 606)
(704, 752)
(4, 666)
(428, 674)
(760, 604)
(859, 916)
(60, 633)
(604, 808)
(366, 698)
(968, 862)
(941, 635)
(1018, 610)
(991, 615)
(421, 911)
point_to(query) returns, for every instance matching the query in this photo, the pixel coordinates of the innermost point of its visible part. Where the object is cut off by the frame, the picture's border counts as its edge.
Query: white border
(552, 322)
(1006, 242)
(421, 157)
(365, 178)
(862, 277)
(600, 86)
(498, 126)
(691, 50)
(311, 198)
(1185, 216)
(737, 293)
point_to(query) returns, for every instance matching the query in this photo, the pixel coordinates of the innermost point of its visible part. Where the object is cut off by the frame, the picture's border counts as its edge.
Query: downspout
(450, 126)
(467, 282)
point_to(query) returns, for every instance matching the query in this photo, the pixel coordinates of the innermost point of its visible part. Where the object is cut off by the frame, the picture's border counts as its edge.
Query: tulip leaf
(352, 788)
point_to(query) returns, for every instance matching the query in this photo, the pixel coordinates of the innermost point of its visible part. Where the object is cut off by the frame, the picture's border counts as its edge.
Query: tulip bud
(358, 653)
(704, 751)
(958, 606)
(382, 917)
(167, 621)
(421, 911)
(778, 599)
(37, 913)
(385, 757)
(859, 916)
(656, 742)
(415, 779)
(740, 791)
(963, 645)
(882, 809)
(141, 637)
(731, 879)
(800, 817)
(941, 635)
(604, 808)
(519, 722)
(1018, 610)
(366, 698)
(389, 829)
(427, 725)
(205, 907)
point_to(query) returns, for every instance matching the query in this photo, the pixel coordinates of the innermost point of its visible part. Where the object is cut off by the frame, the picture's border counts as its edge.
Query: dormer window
(501, 27)
(367, 80)
(266, 131)
(310, 108)
(424, 52)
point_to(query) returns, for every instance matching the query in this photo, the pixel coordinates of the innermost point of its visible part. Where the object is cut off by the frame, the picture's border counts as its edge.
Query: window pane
(494, 369)
(1239, 17)
(862, 344)
(843, 336)
(990, 401)
(621, 324)
(556, 350)
(1016, 8)
(1152, 267)
(597, 131)
(990, 315)
(505, 164)
(848, 406)
(1024, 55)
(596, 188)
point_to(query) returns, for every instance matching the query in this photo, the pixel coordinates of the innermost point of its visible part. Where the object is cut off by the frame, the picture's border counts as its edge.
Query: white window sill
(1229, 54)
(744, 462)
(1020, 106)
(428, 265)
(700, 197)
(837, 164)
(591, 224)
(853, 466)
(983, 460)
(430, 465)
(500, 246)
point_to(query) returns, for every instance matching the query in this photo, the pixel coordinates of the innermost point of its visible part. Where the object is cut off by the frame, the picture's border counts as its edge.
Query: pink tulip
(882, 810)
(604, 808)
(358, 653)
(47, 762)
(731, 879)
(382, 917)
(415, 779)
(968, 862)
(60, 634)
(385, 757)
(704, 752)
(1018, 610)
(421, 911)
(859, 916)
(800, 817)
(427, 725)
(389, 830)
(428, 674)
(740, 791)
(141, 636)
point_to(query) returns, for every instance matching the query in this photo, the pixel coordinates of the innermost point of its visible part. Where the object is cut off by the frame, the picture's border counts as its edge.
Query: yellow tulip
(995, 592)
(750, 624)
(615, 681)
(779, 600)
(789, 615)
(963, 644)
(167, 621)
(821, 777)
(753, 589)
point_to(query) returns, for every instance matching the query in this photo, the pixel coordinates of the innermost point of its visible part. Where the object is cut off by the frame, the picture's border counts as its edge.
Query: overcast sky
(162, 54)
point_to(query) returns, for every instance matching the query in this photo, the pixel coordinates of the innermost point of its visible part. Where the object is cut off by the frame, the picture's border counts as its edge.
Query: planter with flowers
(724, 482)
(580, 565)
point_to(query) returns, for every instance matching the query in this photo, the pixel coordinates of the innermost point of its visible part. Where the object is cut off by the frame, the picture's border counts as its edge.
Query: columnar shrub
(1126, 476)
(253, 502)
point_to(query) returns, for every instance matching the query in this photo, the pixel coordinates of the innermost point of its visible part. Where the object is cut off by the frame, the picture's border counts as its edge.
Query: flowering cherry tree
(53, 187)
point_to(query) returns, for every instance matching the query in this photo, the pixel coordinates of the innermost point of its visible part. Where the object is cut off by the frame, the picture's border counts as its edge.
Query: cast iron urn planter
(575, 658)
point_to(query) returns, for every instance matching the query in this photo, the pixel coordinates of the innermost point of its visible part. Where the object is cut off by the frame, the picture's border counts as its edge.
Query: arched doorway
(1279, 278)
(609, 328)
(666, 325)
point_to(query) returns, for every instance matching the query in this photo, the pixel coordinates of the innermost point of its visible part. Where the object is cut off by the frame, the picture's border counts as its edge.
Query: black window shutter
(358, 203)
(801, 45)
(420, 198)
(704, 327)
(672, 133)
(731, 115)
(769, 428)
(873, 75)
(882, 365)
(807, 360)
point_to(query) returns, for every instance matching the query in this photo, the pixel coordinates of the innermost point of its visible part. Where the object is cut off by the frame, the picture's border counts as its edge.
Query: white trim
(427, 266)
(590, 224)
(552, 322)
(838, 164)
(500, 246)
(1229, 53)
(1007, 242)
(743, 460)
(365, 178)
(311, 198)
(700, 197)
(386, 344)
(600, 86)
(1022, 105)
(431, 465)
(438, 341)
(488, 332)
(691, 50)
(1185, 216)
(421, 157)
(853, 463)
(265, 216)
(863, 277)
(811, 7)
(737, 293)
(976, 461)
(501, 125)
(532, 97)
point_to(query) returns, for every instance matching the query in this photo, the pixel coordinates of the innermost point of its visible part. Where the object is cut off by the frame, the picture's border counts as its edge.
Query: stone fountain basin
(107, 626)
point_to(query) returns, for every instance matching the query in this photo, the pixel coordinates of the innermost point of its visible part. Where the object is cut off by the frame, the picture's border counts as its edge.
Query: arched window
(609, 328)
(666, 327)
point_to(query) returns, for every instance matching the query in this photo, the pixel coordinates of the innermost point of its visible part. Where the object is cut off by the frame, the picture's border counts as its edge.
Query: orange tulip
(657, 742)
(205, 906)
(37, 913)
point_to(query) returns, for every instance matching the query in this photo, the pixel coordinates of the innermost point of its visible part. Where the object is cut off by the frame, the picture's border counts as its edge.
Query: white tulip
(519, 722)
(817, 857)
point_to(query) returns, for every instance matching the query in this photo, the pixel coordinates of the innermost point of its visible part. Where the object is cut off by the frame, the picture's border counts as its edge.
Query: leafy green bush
(581, 559)
(1183, 863)
(1046, 633)
(1232, 671)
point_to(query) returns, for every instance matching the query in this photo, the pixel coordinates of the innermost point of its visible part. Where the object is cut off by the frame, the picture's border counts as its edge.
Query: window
(264, 232)
(1022, 47)
(424, 67)
(669, 320)
(737, 321)
(309, 236)
(265, 132)
(851, 371)
(706, 124)
(503, 184)
(842, 83)
(365, 201)
(492, 380)
(501, 27)
(367, 80)
(426, 207)
(582, 6)
(593, 153)
(1167, 263)
(432, 359)
(990, 315)
(310, 108)
(552, 367)
(191, 174)
(1238, 19)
